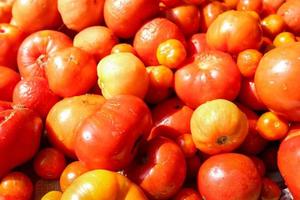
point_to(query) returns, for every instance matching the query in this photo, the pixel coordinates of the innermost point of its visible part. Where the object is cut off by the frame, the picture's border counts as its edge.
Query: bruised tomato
(8, 80)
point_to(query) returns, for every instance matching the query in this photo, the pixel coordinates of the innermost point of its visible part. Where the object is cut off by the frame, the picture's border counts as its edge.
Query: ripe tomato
(253, 5)
(80, 14)
(125, 17)
(49, 163)
(153, 33)
(260, 165)
(218, 126)
(247, 61)
(68, 66)
(161, 157)
(284, 38)
(231, 4)
(187, 144)
(171, 3)
(276, 76)
(5, 11)
(52, 195)
(35, 50)
(270, 190)
(34, 93)
(234, 31)
(128, 70)
(103, 185)
(123, 47)
(273, 25)
(290, 11)
(197, 44)
(271, 6)
(187, 194)
(8, 80)
(229, 176)
(212, 75)
(17, 186)
(64, 117)
(119, 127)
(31, 16)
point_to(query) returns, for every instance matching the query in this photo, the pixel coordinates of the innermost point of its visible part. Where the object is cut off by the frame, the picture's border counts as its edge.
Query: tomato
(34, 93)
(5, 11)
(187, 145)
(260, 165)
(20, 133)
(231, 4)
(153, 33)
(80, 14)
(171, 118)
(161, 157)
(10, 40)
(218, 126)
(212, 75)
(273, 25)
(68, 66)
(96, 40)
(195, 2)
(229, 176)
(186, 17)
(270, 190)
(197, 44)
(125, 17)
(284, 38)
(119, 127)
(171, 53)
(122, 73)
(102, 185)
(171, 3)
(35, 50)
(64, 117)
(52, 195)
(123, 47)
(289, 151)
(253, 5)
(247, 61)
(16, 185)
(269, 156)
(49, 163)
(290, 11)
(187, 194)
(8, 80)
(234, 31)
(271, 6)
(276, 76)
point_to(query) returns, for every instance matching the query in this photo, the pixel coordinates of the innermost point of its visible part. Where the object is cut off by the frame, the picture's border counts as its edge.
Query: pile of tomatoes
(149, 99)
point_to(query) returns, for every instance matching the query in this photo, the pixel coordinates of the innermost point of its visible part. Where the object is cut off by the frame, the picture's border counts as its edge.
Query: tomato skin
(197, 44)
(5, 11)
(230, 32)
(186, 144)
(260, 165)
(123, 47)
(52, 195)
(284, 38)
(248, 61)
(229, 176)
(35, 49)
(212, 75)
(126, 116)
(20, 131)
(246, 5)
(163, 158)
(103, 185)
(280, 64)
(270, 190)
(290, 13)
(273, 25)
(271, 6)
(8, 80)
(187, 194)
(68, 66)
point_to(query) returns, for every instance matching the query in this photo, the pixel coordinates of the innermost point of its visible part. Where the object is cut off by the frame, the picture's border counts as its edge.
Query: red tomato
(290, 11)
(171, 3)
(35, 50)
(260, 165)
(17, 186)
(49, 163)
(197, 44)
(270, 190)
(119, 126)
(187, 194)
(229, 176)
(20, 133)
(161, 157)
(8, 80)
(5, 11)
(69, 66)
(271, 6)
(34, 93)
(187, 145)
(212, 75)
(252, 5)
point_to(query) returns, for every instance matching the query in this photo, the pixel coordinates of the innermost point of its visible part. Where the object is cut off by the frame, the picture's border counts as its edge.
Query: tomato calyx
(42, 60)
(222, 140)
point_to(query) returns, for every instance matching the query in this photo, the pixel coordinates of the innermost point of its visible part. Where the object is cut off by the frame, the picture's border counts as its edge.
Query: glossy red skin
(160, 170)
(290, 12)
(253, 5)
(270, 190)
(187, 194)
(171, 3)
(289, 164)
(10, 39)
(248, 95)
(186, 144)
(34, 93)
(151, 34)
(271, 6)
(125, 17)
(269, 156)
(197, 44)
(36, 48)
(229, 176)
(171, 118)
(260, 165)
(212, 75)
(8, 80)
(119, 126)
(20, 133)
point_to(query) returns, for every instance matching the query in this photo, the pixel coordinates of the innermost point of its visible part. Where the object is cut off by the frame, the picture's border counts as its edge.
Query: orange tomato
(96, 40)
(270, 190)
(247, 61)
(187, 194)
(231, 4)
(123, 47)
(122, 73)
(171, 53)
(187, 145)
(250, 5)
(271, 6)
(80, 14)
(218, 126)
(290, 12)
(284, 38)
(272, 25)
(8, 80)
(52, 195)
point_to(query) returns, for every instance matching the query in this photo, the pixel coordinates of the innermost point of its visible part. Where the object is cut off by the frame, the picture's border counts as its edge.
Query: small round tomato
(8, 80)
(16, 185)
(260, 165)
(253, 5)
(290, 12)
(197, 44)
(123, 47)
(269, 156)
(247, 61)
(122, 74)
(69, 66)
(229, 176)
(49, 163)
(272, 25)
(52, 195)
(272, 127)
(161, 80)
(187, 194)
(187, 145)
(70, 173)
(270, 190)
(284, 38)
